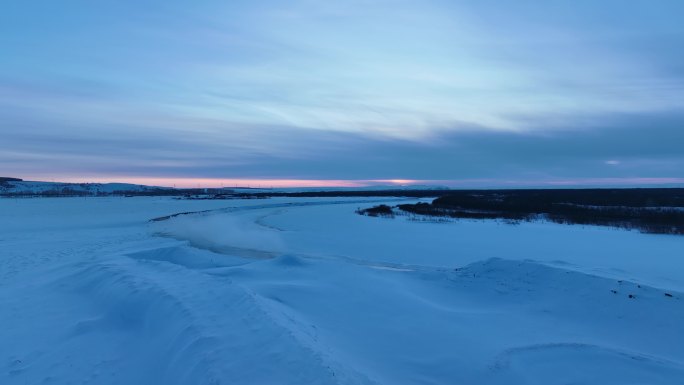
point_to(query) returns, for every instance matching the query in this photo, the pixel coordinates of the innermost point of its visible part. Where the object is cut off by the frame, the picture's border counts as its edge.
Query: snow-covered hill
(9, 188)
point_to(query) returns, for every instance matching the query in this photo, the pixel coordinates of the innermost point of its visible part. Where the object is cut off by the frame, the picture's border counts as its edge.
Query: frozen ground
(304, 291)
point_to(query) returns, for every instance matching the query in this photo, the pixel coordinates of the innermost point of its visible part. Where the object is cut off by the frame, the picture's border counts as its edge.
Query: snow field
(305, 291)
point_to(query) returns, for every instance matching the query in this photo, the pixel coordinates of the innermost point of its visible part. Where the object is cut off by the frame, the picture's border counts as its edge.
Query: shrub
(377, 211)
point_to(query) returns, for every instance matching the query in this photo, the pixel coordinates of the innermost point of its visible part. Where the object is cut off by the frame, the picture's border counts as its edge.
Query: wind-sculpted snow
(584, 363)
(224, 234)
(469, 325)
(256, 294)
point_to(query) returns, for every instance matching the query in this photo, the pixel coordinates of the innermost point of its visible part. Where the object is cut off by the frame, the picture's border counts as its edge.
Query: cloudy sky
(465, 93)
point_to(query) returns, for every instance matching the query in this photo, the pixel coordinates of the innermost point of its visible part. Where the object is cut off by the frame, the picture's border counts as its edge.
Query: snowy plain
(305, 291)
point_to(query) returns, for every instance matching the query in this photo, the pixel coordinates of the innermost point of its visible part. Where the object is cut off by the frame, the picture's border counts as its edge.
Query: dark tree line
(647, 210)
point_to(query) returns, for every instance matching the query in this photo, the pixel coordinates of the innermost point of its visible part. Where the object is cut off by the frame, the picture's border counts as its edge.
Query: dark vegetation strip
(647, 210)
(351, 193)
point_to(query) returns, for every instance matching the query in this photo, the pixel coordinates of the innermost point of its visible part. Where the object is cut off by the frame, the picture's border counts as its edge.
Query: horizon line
(265, 183)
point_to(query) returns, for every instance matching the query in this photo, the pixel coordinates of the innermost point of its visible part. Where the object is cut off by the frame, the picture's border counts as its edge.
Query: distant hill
(18, 187)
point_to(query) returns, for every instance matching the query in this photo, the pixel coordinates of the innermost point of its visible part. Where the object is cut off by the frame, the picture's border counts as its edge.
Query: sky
(460, 93)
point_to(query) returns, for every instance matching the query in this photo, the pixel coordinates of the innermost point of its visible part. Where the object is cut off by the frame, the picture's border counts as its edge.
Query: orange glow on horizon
(398, 181)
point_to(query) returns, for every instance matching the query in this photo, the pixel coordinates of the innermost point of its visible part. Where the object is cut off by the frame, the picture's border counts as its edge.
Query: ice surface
(305, 291)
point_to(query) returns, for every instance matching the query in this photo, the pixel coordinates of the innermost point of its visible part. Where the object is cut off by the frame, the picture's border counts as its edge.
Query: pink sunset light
(236, 182)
